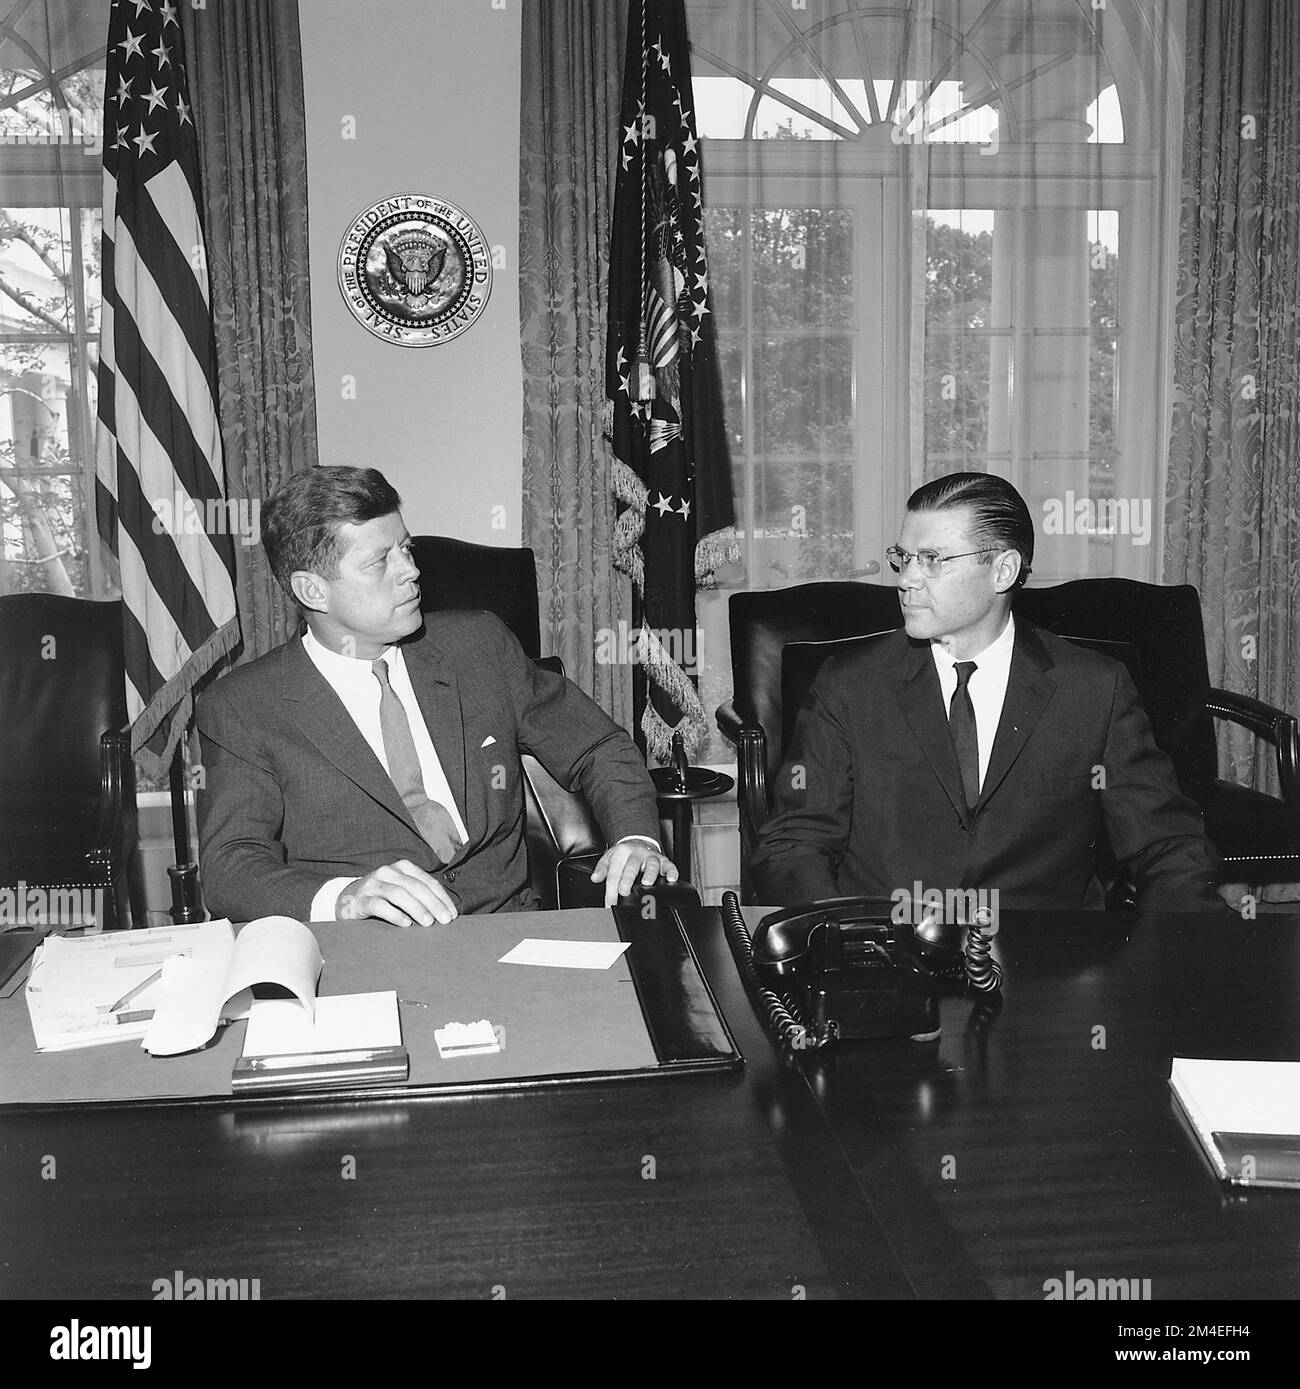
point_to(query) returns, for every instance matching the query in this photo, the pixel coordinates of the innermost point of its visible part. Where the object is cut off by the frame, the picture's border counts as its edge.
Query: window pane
(959, 269)
(36, 257)
(803, 266)
(804, 526)
(731, 364)
(724, 230)
(42, 499)
(804, 395)
(956, 399)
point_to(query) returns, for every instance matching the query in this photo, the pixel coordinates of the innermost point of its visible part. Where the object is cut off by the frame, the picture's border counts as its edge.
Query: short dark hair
(1001, 516)
(302, 517)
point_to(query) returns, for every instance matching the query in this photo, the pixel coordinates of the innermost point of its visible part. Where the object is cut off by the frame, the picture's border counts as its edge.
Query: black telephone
(845, 968)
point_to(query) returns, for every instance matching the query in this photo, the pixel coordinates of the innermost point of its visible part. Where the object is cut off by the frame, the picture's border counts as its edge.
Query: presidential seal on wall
(415, 270)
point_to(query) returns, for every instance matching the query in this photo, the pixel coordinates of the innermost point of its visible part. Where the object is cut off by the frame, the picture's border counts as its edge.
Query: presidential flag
(672, 468)
(160, 479)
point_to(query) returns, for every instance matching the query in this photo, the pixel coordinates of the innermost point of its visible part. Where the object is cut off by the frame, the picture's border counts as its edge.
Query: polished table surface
(1018, 1149)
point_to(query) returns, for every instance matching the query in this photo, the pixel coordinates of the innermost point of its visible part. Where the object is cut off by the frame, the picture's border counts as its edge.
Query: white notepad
(342, 1022)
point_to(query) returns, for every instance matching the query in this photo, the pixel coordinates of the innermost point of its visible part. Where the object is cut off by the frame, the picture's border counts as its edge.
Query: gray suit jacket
(870, 800)
(294, 796)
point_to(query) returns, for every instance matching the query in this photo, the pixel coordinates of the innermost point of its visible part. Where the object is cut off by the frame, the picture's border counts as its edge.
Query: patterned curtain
(572, 61)
(1233, 497)
(245, 71)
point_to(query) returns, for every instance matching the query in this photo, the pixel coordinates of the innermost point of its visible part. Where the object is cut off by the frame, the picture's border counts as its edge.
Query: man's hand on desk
(629, 860)
(401, 893)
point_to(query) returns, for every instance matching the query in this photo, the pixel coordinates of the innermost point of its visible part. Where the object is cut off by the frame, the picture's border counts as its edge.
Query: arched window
(941, 238)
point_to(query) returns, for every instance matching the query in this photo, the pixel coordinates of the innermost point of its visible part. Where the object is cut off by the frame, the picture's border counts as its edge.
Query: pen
(139, 989)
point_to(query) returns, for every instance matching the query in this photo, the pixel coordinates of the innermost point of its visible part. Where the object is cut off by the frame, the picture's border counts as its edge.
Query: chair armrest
(574, 887)
(1275, 726)
(752, 801)
(728, 720)
(116, 793)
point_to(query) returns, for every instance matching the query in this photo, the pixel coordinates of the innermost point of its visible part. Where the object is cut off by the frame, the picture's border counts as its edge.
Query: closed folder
(1245, 1115)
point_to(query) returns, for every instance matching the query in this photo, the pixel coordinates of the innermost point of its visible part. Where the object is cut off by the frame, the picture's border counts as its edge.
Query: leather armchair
(67, 783)
(1157, 631)
(754, 718)
(495, 579)
(564, 840)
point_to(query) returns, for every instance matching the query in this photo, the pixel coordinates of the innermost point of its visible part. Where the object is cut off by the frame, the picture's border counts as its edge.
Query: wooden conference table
(1011, 1152)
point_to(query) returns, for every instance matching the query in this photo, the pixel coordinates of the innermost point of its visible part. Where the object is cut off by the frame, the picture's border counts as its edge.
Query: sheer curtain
(942, 237)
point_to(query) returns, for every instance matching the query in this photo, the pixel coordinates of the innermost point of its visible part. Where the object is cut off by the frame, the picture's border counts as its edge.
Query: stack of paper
(351, 1039)
(87, 991)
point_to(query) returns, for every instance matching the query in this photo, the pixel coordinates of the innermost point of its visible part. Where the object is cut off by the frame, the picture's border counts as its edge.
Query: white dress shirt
(987, 686)
(353, 680)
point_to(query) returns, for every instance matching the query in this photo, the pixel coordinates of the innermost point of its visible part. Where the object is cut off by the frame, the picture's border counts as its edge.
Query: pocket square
(487, 742)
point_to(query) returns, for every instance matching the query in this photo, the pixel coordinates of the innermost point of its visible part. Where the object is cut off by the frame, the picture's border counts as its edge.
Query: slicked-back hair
(302, 518)
(1000, 516)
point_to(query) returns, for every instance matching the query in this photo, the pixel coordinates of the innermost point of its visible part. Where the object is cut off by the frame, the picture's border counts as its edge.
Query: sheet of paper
(343, 1022)
(1241, 1096)
(565, 954)
(74, 981)
(191, 1004)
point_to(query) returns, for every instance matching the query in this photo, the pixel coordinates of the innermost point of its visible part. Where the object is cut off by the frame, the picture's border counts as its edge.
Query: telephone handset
(845, 968)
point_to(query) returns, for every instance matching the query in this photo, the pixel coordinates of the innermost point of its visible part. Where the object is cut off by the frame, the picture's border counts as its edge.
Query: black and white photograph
(649, 653)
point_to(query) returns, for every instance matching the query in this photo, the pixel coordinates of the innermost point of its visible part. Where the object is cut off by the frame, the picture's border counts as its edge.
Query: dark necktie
(432, 818)
(961, 724)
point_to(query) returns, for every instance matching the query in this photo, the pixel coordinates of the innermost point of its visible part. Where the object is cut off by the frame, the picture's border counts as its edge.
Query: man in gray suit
(369, 767)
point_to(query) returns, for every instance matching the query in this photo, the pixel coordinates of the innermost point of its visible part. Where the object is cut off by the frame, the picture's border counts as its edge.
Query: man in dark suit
(370, 766)
(973, 750)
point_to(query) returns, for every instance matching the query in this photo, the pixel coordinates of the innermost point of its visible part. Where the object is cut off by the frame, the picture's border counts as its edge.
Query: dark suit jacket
(870, 798)
(294, 796)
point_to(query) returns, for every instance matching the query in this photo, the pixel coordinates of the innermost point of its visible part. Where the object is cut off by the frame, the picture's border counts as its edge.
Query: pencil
(132, 993)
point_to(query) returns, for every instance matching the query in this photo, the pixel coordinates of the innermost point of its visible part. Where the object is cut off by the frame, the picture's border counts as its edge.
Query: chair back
(61, 686)
(500, 580)
(1165, 625)
(1156, 631)
(763, 623)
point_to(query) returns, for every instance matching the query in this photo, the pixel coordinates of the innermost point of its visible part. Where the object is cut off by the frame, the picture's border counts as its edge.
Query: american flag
(160, 478)
(672, 470)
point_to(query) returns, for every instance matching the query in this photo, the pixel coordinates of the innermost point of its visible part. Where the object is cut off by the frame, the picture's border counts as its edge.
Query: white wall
(433, 89)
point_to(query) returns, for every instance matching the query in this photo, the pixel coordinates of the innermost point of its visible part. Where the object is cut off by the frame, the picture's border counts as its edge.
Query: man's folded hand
(401, 893)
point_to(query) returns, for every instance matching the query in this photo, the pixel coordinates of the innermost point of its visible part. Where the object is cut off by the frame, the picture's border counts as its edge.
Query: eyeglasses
(930, 562)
